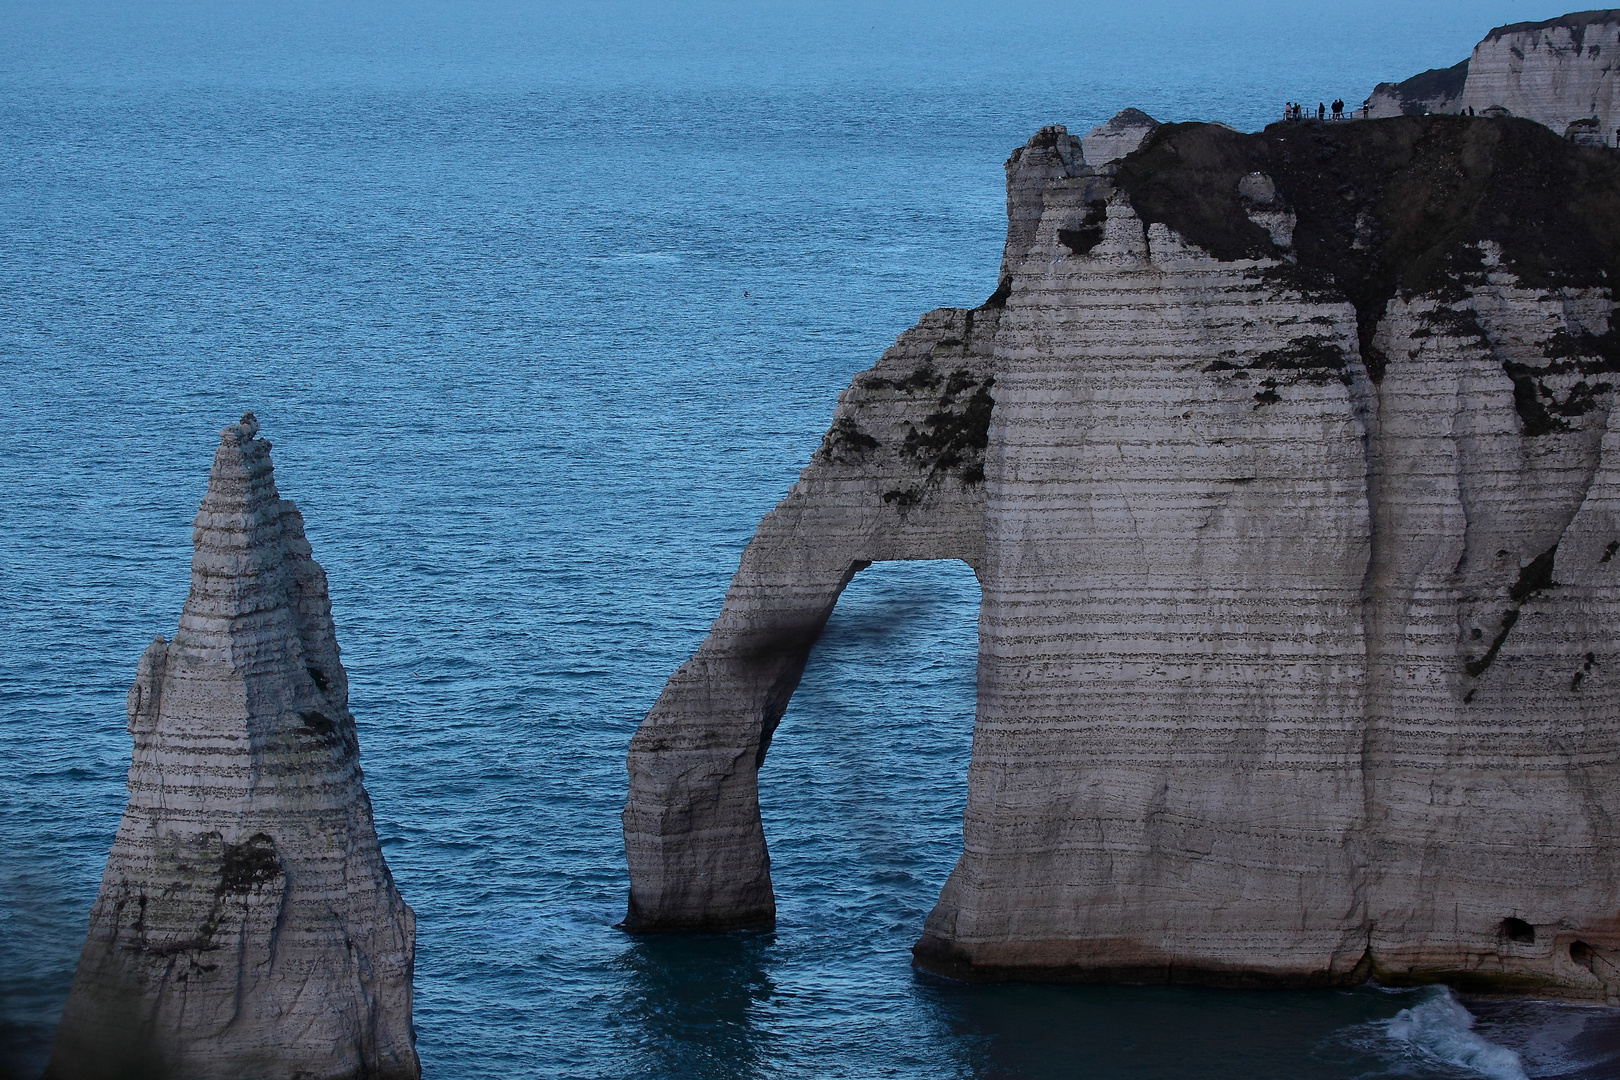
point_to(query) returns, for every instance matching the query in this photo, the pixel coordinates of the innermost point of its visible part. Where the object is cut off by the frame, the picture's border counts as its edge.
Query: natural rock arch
(899, 476)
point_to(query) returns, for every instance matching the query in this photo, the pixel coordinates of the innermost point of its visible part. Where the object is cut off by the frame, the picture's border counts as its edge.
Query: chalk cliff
(1559, 73)
(1292, 495)
(246, 923)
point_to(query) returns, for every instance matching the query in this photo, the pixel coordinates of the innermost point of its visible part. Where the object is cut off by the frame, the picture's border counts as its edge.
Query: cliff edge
(1295, 508)
(246, 925)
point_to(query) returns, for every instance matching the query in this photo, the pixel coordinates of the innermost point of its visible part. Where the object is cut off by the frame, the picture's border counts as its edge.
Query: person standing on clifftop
(1338, 108)
(1321, 111)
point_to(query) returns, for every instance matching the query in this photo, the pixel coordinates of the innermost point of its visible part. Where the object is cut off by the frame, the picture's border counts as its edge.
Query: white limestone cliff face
(1050, 154)
(1490, 752)
(1299, 626)
(1560, 72)
(1171, 651)
(246, 923)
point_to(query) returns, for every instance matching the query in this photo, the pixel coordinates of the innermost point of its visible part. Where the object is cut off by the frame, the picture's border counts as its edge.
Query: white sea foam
(1438, 1027)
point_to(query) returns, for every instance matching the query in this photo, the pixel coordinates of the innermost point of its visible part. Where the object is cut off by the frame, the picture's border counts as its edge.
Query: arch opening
(861, 796)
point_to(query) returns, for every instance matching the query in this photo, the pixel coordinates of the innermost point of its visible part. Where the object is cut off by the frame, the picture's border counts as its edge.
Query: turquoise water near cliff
(543, 307)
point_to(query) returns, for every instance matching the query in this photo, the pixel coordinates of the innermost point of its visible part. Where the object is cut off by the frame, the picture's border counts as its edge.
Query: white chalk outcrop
(1116, 137)
(1299, 637)
(1050, 154)
(1560, 72)
(247, 925)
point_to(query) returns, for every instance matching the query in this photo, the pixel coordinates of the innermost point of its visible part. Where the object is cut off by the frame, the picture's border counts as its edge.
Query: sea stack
(1289, 466)
(247, 925)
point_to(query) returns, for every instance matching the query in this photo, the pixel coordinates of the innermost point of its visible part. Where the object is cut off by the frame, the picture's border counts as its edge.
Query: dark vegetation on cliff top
(1393, 206)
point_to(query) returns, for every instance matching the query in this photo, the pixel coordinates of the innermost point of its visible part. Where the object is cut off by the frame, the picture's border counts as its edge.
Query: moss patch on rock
(845, 441)
(952, 438)
(249, 864)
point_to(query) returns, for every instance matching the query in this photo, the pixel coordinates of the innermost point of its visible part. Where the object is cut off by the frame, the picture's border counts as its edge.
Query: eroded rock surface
(1298, 543)
(246, 925)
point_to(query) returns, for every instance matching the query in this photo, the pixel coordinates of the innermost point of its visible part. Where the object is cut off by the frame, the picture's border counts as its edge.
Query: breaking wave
(1437, 1037)
(1440, 1029)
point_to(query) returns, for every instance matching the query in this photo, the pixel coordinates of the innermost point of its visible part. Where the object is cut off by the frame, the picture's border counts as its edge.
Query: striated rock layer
(1296, 525)
(1559, 72)
(246, 923)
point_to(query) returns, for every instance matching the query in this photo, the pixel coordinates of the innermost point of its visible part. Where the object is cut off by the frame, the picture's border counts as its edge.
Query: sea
(543, 305)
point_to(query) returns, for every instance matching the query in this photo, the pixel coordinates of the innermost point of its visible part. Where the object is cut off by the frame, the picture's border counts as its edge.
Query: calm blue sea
(543, 305)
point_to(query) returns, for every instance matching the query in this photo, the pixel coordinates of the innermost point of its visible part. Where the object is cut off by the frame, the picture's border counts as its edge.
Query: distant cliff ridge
(1286, 465)
(1435, 91)
(1559, 73)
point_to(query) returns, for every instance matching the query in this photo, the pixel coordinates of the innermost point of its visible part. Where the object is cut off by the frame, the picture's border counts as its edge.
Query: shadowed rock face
(246, 923)
(1559, 72)
(1300, 641)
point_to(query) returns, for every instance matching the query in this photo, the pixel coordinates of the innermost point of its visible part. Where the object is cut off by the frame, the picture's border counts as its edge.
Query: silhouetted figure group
(1296, 112)
(1293, 110)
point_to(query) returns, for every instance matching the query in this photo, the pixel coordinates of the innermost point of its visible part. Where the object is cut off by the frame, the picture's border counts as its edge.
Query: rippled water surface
(543, 306)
